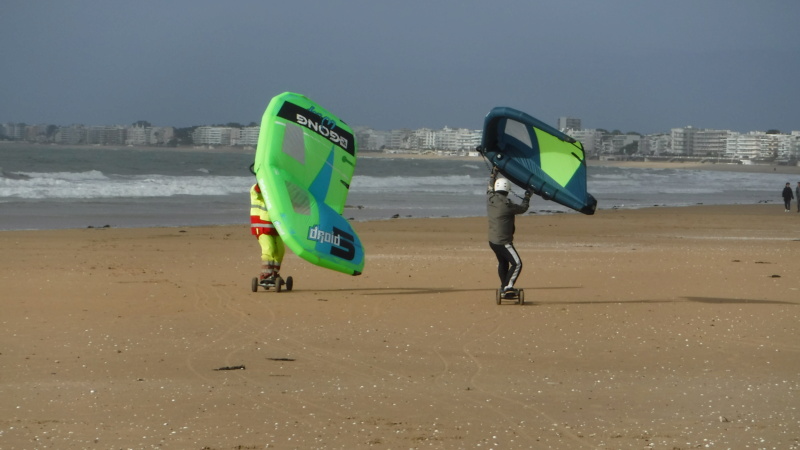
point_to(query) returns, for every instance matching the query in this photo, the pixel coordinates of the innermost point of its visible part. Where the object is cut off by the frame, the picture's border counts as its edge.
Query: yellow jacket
(259, 216)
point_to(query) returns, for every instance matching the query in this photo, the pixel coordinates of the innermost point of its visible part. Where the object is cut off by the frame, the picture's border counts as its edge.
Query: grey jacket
(501, 212)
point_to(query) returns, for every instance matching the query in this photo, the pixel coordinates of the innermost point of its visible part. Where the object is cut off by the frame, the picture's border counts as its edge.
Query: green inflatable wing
(304, 162)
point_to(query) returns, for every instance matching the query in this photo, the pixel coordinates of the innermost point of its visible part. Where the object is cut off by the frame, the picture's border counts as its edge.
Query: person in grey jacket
(501, 212)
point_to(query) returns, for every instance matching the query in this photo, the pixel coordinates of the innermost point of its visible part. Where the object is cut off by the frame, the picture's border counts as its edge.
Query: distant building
(760, 145)
(106, 135)
(447, 139)
(369, 139)
(655, 144)
(71, 135)
(399, 139)
(591, 139)
(569, 123)
(212, 136)
(690, 141)
(14, 131)
(147, 135)
(248, 136)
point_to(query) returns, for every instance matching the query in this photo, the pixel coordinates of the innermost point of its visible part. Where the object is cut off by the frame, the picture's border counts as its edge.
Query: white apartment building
(447, 139)
(369, 139)
(212, 136)
(14, 130)
(424, 139)
(655, 144)
(457, 139)
(690, 141)
(592, 140)
(399, 139)
(248, 136)
(72, 135)
(137, 135)
(106, 135)
(469, 139)
(753, 145)
(760, 145)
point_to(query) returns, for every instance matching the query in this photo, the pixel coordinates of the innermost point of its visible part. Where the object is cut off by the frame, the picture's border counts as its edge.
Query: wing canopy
(304, 163)
(536, 156)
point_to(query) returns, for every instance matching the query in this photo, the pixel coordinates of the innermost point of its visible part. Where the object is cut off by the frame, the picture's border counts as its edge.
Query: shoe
(268, 281)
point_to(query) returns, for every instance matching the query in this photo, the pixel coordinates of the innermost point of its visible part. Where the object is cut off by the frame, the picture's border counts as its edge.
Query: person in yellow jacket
(272, 248)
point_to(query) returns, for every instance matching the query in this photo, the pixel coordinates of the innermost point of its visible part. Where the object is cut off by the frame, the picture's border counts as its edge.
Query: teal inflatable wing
(304, 162)
(536, 156)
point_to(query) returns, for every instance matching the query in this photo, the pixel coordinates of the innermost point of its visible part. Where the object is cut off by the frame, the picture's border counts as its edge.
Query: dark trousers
(509, 264)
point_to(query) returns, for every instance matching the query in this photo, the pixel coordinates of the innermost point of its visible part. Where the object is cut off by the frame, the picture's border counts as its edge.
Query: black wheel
(499, 296)
(278, 284)
(289, 283)
(521, 297)
(254, 284)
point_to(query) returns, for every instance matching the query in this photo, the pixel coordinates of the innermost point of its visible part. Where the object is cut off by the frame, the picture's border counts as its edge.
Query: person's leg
(266, 265)
(509, 264)
(502, 263)
(278, 251)
(515, 266)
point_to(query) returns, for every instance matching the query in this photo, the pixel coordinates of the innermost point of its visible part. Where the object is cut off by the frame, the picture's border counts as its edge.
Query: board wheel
(278, 284)
(254, 284)
(289, 283)
(521, 297)
(499, 296)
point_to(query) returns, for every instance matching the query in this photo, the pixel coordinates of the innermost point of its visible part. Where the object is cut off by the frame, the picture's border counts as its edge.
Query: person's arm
(492, 178)
(523, 206)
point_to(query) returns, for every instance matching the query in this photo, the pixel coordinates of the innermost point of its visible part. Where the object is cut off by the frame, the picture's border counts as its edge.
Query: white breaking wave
(95, 184)
(417, 184)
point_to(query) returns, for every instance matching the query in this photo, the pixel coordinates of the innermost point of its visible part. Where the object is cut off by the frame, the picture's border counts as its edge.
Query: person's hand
(528, 194)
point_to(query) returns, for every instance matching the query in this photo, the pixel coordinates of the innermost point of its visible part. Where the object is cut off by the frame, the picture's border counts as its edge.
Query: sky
(631, 65)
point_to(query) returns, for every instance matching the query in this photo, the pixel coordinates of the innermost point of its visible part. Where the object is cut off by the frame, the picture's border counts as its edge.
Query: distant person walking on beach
(797, 195)
(272, 249)
(788, 196)
(501, 211)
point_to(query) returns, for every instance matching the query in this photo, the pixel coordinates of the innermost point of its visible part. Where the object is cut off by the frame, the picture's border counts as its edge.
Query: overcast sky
(629, 65)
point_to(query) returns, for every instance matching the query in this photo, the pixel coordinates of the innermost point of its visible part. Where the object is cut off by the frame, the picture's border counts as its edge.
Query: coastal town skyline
(556, 123)
(770, 145)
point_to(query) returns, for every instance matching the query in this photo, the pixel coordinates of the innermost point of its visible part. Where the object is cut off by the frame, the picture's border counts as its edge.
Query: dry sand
(655, 328)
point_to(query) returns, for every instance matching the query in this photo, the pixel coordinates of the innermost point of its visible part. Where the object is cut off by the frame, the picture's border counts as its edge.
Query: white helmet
(502, 184)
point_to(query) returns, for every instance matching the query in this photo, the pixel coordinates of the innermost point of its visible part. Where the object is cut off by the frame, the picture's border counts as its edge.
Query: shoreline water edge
(52, 187)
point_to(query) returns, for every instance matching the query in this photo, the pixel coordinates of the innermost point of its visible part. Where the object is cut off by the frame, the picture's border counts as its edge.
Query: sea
(58, 187)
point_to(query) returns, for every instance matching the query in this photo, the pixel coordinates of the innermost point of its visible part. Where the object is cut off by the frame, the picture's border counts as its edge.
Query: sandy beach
(667, 328)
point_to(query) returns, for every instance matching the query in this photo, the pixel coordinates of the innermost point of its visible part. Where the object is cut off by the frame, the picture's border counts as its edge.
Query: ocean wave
(96, 185)
(450, 183)
(12, 175)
